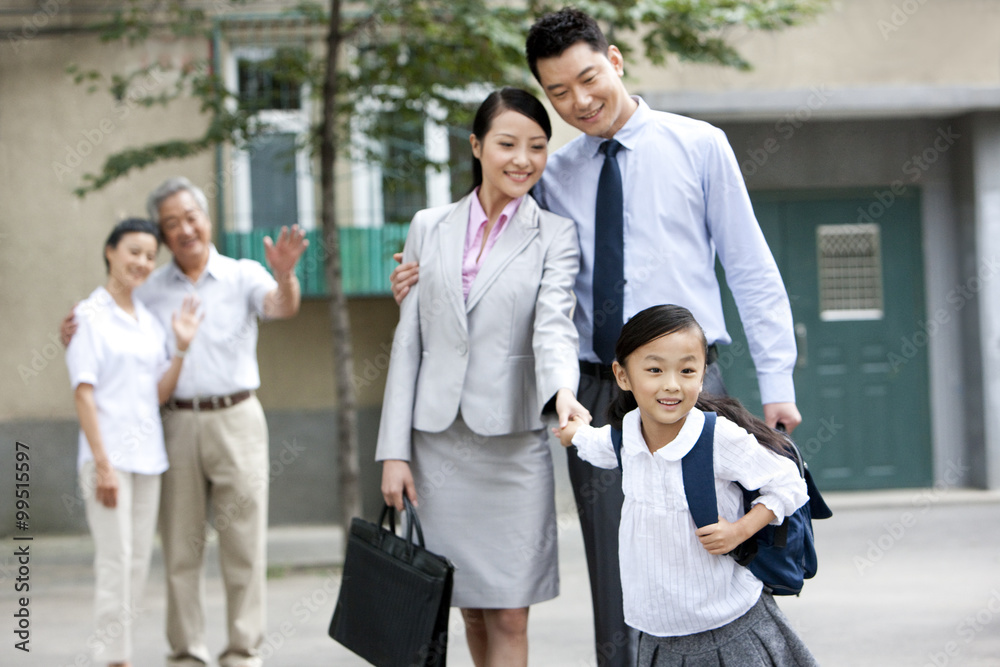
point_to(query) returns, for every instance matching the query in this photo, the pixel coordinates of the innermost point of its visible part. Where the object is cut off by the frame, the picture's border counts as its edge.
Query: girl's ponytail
(733, 410)
(622, 404)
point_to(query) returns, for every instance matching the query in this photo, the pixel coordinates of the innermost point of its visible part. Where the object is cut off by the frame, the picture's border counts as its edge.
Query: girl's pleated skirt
(762, 637)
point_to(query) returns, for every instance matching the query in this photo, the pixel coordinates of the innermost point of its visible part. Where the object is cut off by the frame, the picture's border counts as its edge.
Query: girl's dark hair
(658, 321)
(507, 99)
(552, 34)
(128, 226)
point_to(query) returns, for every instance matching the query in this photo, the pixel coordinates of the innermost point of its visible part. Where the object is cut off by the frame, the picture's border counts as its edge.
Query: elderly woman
(122, 371)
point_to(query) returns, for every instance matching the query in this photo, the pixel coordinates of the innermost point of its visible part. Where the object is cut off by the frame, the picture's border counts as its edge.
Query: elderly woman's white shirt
(123, 357)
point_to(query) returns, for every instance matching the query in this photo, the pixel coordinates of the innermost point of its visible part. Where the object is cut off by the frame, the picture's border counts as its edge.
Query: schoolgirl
(692, 604)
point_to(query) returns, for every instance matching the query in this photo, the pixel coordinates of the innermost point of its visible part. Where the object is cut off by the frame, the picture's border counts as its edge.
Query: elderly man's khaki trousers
(218, 476)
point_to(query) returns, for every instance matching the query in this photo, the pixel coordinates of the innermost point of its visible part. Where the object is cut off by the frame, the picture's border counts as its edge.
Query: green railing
(365, 254)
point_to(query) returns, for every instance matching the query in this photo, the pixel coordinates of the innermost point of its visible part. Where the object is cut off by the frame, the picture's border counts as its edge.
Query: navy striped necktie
(609, 255)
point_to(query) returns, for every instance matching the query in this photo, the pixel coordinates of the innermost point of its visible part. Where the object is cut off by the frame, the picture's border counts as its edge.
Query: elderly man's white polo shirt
(222, 358)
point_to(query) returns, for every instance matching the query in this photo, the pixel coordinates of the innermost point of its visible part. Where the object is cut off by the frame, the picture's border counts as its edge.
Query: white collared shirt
(123, 357)
(222, 358)
(684, 200)
(671, 585)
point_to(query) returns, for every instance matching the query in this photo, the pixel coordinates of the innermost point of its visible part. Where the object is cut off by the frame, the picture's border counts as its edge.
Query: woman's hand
(107, 484)
(397, 480)
(185, 322)
(567, 407)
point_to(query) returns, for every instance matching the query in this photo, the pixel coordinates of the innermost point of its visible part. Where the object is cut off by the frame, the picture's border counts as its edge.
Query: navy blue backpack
(780, 556)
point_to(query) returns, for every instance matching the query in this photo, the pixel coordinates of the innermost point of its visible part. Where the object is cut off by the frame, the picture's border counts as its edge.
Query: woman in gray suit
(485, 344)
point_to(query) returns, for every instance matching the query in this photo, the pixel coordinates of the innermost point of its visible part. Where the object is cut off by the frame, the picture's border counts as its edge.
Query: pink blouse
(472, 259)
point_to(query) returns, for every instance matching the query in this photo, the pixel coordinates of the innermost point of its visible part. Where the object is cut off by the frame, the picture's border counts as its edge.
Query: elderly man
(216, 436)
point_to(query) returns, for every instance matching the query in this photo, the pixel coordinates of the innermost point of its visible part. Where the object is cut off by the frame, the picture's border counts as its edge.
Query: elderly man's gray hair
(169, 188)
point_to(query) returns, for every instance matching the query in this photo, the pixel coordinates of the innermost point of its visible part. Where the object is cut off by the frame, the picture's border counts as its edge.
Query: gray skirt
(488, 504)
(762, 637)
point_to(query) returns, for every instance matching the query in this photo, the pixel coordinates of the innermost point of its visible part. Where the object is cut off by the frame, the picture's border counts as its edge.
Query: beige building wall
(857, 44)
(52, 132)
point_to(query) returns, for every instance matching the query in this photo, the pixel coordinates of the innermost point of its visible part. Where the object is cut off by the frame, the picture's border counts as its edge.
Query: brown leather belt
(211, 402)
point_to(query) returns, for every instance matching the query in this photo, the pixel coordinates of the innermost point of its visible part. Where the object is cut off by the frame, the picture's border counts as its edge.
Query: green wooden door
(853, 269)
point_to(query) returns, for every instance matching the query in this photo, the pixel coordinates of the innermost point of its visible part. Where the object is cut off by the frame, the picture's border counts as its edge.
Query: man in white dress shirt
(684, 201)
(214, 426)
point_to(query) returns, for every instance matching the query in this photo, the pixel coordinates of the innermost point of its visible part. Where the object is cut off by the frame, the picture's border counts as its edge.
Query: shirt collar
(102, 297)
(477, 215)
(678, 447)
(216, 267)
(628, 135)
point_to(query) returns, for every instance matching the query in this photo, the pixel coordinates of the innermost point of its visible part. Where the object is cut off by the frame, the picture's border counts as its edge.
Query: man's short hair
(552, 34)
(169, 188)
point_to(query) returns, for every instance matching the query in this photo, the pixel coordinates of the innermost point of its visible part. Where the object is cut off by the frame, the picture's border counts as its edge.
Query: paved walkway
(908, 578)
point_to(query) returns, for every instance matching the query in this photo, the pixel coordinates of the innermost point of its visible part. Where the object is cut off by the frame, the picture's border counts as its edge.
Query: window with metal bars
(850, 272)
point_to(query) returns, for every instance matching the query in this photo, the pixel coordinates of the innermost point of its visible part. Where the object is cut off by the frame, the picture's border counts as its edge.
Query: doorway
(853, 269)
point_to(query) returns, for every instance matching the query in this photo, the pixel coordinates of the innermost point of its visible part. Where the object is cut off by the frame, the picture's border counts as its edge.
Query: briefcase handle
(411, 522)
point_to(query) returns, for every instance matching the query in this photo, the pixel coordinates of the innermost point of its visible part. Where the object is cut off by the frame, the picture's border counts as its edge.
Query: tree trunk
(340, 325)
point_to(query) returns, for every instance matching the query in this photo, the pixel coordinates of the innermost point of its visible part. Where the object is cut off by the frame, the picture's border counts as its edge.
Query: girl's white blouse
(671, 585)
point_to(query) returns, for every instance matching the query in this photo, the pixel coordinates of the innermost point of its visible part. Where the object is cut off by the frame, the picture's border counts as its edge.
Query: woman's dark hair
(552, 34)
(658, 321)
(507, 99)
(128, 226)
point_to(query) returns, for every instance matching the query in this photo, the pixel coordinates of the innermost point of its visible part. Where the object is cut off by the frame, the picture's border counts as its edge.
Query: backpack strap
(616, 442)
(698, 470)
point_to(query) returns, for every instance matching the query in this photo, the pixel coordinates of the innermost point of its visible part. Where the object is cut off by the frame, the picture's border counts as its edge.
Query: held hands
(566, 433)
(567, 407)
(283, 255)
(571, 415)
(403, 277)
(397, 479)
(185, 322)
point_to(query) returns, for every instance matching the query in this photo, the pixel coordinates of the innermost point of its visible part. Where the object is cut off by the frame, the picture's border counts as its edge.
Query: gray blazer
(501, 355)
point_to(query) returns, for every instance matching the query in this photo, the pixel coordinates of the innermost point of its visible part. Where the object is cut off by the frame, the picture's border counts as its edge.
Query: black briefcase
(394, 596)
